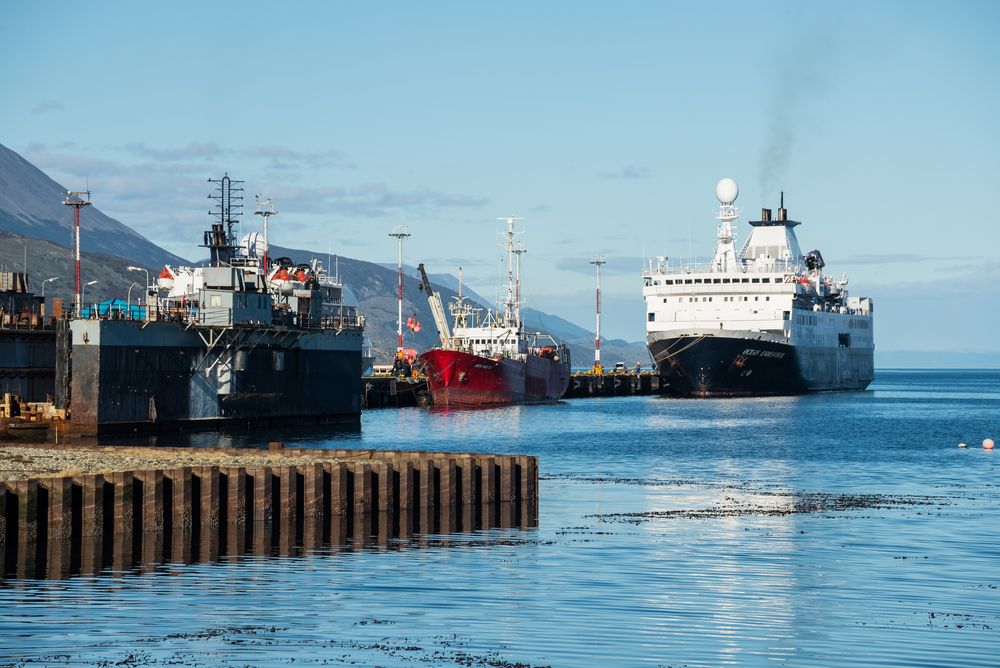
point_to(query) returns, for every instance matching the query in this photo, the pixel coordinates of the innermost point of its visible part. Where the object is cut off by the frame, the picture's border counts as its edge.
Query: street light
(83, 290)
(129, 300)
(145, 271)
(54, 278)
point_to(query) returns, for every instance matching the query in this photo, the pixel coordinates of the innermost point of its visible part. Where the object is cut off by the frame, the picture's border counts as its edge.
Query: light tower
(265, 209)
(74, 199)
(399, 233)
(597, 261)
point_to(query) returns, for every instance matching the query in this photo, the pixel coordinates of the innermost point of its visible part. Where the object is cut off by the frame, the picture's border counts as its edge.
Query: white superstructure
(768, 291)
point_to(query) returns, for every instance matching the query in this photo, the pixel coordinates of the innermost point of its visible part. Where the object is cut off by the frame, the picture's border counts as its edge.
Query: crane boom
(437, 309)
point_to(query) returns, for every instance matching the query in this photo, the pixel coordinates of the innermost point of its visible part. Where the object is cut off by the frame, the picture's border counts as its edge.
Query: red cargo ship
(491, 360)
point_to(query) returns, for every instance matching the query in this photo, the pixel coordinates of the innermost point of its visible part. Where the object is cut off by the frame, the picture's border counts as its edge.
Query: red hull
(457, 378)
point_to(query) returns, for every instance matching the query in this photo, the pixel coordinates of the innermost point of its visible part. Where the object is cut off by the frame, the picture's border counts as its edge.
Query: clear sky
(605, 125)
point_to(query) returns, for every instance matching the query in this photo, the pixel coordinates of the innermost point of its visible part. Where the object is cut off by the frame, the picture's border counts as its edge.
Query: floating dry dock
(239, 501)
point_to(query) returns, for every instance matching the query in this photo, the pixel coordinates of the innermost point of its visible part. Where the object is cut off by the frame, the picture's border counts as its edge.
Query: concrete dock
(585, 385)
(82, 522)
(392, 392)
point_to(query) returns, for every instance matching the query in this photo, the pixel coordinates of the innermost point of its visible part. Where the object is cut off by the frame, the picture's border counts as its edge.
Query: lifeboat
(165, 281)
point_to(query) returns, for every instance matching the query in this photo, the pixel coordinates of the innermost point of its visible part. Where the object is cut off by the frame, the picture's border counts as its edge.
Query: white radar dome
(727, 190)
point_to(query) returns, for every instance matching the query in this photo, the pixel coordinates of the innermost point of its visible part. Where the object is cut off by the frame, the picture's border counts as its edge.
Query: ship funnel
(782, 212)
(765, 215)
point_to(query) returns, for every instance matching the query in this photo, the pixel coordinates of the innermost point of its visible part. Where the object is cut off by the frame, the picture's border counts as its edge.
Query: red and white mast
(399, 233)
(74, 200)
(597, 261)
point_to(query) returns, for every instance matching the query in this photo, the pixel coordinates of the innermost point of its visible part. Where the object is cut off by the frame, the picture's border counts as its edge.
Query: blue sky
(606, 126)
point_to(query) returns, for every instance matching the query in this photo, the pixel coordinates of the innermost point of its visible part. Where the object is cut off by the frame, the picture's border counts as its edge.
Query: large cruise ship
(764, 320)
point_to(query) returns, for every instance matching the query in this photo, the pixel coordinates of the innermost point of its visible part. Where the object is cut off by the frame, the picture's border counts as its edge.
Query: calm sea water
(843, 529)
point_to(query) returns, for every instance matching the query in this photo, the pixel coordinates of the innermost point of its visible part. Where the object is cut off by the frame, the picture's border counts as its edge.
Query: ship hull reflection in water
(61, 527)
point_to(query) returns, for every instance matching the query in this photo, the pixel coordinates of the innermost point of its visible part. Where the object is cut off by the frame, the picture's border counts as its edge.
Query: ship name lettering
(755, 352)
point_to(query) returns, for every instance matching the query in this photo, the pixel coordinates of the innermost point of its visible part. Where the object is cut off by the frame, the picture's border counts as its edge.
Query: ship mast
(725, 249)
(519, 250)
(510, 308)
(265, 212)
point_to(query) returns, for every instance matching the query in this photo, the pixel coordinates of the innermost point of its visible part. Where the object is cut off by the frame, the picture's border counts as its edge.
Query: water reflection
(57, 557)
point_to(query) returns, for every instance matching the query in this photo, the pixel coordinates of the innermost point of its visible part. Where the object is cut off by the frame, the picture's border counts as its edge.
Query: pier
(585, 385)
(82, 522)
(394, 392)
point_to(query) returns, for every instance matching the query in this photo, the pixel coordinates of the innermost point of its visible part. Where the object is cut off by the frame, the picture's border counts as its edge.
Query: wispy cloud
(627, 172)
(193, 151)
(374, 200)
(278, 158)
(46, 106)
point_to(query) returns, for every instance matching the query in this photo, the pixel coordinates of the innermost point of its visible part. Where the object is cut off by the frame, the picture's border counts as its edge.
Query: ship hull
(731, 365)
(456, 378)
(162, 377)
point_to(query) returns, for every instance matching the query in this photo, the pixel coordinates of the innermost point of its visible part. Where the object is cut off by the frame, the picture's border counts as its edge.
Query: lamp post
(597, 262)
(399, 233)
(145, 271)
(128, 301)
(47, 280)
(83, 290)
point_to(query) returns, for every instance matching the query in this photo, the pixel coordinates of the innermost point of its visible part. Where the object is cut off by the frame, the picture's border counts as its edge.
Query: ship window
(756, 299)
(697, 280)
(765, 280)
(745, 280)
(784, 315)
(716, 280)
(687, 281)
(652, 317)
(664, 300)
(755, 280)
(767, 299)
(668, 282)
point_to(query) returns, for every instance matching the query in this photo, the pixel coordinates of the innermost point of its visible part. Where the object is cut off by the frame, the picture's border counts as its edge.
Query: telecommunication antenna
(228, 209)
(265, 209)
(597, 261)
(399, 233)
(74, 199)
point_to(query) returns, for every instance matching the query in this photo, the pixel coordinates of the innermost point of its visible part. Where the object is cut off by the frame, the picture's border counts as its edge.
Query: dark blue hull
(712, 366)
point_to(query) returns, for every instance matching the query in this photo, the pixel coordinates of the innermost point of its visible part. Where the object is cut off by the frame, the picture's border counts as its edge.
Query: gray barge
(244, 341)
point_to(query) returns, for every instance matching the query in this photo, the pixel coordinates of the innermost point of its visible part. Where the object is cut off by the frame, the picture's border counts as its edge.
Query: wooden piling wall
(60, 526)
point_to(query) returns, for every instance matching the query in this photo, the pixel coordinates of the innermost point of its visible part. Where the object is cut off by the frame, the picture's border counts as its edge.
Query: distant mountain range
(33, 216)
(31, 205)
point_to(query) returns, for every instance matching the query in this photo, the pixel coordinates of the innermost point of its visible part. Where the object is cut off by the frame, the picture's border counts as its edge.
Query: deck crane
(437, 309)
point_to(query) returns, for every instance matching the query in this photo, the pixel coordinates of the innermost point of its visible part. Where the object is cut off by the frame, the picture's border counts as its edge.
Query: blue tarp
(114, 308)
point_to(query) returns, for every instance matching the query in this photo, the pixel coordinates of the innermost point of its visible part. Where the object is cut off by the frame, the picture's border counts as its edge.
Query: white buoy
(962, 445)
(988, 444)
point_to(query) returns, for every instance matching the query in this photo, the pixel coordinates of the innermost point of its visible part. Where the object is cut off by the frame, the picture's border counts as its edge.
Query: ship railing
(757, 266)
